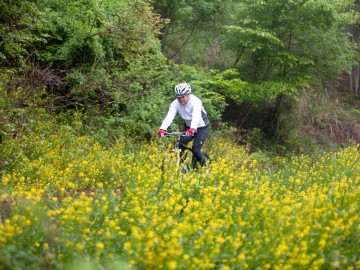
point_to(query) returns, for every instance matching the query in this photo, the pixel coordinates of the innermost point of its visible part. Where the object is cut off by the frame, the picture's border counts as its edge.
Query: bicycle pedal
(184, 169)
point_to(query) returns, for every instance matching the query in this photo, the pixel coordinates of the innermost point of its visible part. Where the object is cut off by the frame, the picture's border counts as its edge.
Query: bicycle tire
(195, 164)
(207, 162)
(169, 161)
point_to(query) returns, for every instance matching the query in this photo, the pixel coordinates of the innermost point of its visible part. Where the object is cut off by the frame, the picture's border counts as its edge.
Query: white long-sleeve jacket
(193, 113)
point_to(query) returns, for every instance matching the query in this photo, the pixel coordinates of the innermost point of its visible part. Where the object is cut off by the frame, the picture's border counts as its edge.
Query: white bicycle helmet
(182, 89)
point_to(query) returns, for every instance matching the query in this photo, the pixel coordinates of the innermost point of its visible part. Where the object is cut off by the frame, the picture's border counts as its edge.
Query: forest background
(278, 76)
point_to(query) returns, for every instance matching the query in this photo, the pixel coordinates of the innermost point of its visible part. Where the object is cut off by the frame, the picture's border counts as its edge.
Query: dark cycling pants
(199, 139)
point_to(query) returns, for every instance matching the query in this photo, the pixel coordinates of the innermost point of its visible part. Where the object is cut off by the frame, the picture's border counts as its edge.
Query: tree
(91, 50)
(277, 39)
(288, 42)
(191, 35)
(17, 20)
(354, 29)
(101, 55)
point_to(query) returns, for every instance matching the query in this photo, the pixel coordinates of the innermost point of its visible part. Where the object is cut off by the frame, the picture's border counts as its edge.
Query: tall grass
(70, 202)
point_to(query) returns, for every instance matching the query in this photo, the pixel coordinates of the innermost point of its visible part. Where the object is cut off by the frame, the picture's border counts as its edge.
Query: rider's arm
(170, 116)
(196, 114)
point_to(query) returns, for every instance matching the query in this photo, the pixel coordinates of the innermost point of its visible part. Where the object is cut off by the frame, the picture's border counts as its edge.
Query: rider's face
(184, 99)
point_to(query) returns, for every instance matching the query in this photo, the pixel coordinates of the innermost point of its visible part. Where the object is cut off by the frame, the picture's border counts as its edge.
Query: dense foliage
(278, 48)
(107, 57)
(86, 54)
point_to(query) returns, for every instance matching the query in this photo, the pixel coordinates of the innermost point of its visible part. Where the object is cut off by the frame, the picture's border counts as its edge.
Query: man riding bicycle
(196, 126)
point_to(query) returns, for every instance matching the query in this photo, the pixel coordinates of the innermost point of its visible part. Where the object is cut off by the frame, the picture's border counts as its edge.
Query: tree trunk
(355, 80)
(277, 114)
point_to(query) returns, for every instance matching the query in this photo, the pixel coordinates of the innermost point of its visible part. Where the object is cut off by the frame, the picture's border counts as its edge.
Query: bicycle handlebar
(177, 135)
(174, 134)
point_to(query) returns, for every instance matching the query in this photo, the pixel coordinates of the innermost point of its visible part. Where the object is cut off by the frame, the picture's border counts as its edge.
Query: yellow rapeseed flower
(172, 265)
(100, 245)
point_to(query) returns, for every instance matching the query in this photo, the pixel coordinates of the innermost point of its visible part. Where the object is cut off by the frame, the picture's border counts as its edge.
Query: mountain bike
(183, 162)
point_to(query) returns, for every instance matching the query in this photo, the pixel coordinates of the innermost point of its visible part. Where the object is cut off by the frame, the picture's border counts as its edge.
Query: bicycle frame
(177, 150)
(178, 135)
(175, 146)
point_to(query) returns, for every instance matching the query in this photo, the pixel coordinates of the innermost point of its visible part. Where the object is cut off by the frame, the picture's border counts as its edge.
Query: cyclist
(196, 126)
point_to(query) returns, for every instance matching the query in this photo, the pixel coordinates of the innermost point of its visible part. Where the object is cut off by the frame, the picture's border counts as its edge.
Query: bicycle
(182, 162)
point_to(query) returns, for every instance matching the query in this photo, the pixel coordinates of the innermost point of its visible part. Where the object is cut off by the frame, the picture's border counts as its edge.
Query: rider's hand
(161, 132)
(190, 132)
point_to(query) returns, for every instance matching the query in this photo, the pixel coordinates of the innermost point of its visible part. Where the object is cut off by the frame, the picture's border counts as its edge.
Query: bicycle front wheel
(170, 161)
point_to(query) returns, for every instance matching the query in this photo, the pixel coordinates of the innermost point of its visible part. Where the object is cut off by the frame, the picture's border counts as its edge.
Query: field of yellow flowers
(70, 202)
